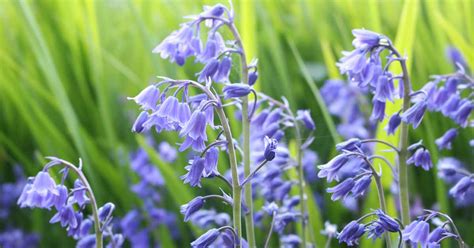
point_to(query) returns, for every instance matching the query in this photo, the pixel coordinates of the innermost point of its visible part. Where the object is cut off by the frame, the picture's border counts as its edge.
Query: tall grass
(67, 67)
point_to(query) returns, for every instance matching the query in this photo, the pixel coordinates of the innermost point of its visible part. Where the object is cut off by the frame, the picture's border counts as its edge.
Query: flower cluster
(353, 231)
(42, 191)
(346, 101)
(172, 105)
(13, 237)
(147, 189)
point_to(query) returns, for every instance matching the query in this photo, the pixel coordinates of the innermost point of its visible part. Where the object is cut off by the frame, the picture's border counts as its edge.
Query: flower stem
(403, 146)
(301, 181)
(249, 225)
(90, 194)
(383, 206)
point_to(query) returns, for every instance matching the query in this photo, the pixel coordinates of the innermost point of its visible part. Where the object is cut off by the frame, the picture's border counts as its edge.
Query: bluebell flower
(417, 232)
(192, 207)
(375, 230)
(270, 147)
(388, 223)
(61, 199)
(66, 216)
(215, 45)
(138, 125)
(206, 239)
(253, 76)
(456, 57)
(331, 169)
(209, 70)
(167, 152)
(195, 132)
(309, 161)
(223, 71)
(86, 242)
(361, 185)
(421, 158)
(341, 190)
(17, 238)
(415, 114)
(130, 223)
(461, 116)
(147, 98)
(216, 10)
(169, 109)
(353, 144)
(351, 233)
(41, 193)
(444, 142)
(179, 45)
(195, 171)
(384, 89)
(305, 117)
(393, 123)
(451, 105)
(330, 230)
(79, 196)
(283, 219)
(210, 162)
(204, 218)
(290, 241)
(236, 90)
(184, 113)
(283, 190)
(353, 62)
(366, 38)
(378, 110)
(461, 188)
(105, 212)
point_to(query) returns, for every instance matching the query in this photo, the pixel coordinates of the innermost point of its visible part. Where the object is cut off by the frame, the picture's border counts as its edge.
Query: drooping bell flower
(147, 98)
(270, 147)
(192, 207)
(351, 233)
(444, 142)
(40, 193)
(195, 132)
(206, 239)
(66, 216)
(393, 123)
(341, 190)
(195, 171)
(236, 90)
(305, 117)
(417, 232)
(138, 125)
(415, 114)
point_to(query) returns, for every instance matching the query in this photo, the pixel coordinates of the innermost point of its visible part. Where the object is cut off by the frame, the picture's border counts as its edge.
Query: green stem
(383, 206)
(249, 225)
(90, 194)
(301, 181)
(236, 191)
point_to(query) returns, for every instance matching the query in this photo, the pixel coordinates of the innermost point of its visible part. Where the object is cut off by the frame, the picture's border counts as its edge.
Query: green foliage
(67, 67)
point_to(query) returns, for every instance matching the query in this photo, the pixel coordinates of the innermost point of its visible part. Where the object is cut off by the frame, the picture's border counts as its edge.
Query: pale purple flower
(378, 111)
(349, 145)
(305, 117)
(459, 190)
(40, 193)
(351, 233)
(253, 76)
(361, 185)
(105, 212)
(270, 147)
(195, 171)
(206, 239)
(393, 123)
(332, 168)
(147, 98)
(384, 89)
(290, 241)
(421, 158)
(444, 142)
(210, 162)
(192, 207)
(417, 232)
(138, 125)
(209, 70)
(341, 190)
(415, 114)
(66, 216)
(365, 38)
(79, 196)
(236, 90)
(195, 132)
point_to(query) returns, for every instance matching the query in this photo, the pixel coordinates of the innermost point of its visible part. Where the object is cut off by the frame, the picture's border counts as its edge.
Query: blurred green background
(66, 67)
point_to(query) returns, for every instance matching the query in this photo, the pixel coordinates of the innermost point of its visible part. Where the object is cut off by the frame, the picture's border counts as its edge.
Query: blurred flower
(351, 233)
(236, 90)
(444, 142)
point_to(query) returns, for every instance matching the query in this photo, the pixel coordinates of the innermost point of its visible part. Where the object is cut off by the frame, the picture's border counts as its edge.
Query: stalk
(301, 181)
(236, 191)
(90, 194)
(249, 225)
(403, 146)
(383, 206)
